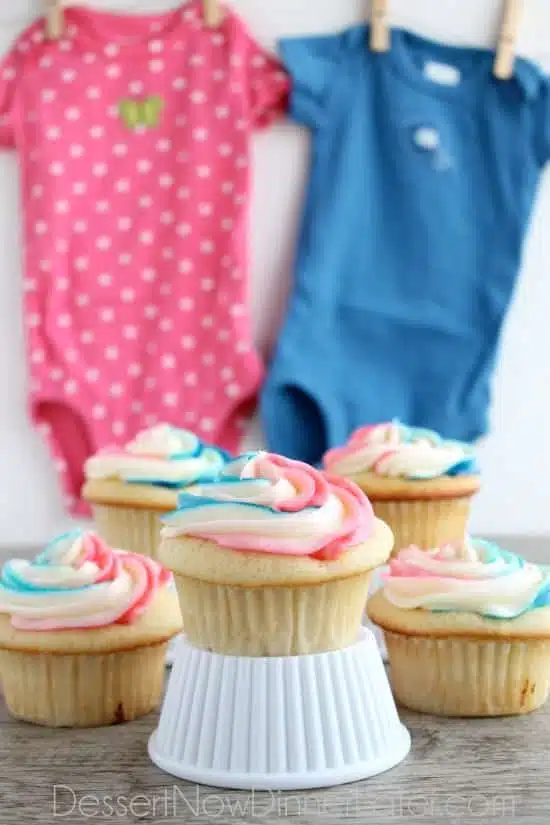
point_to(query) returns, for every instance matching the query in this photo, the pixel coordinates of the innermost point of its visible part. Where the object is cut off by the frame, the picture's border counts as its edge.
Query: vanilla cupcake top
(267, 503)
(396, 451)
(163, 455)
(79, 582)
(474, 577)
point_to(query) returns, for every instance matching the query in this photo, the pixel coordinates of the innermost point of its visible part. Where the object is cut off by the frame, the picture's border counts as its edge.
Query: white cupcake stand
(287, 723)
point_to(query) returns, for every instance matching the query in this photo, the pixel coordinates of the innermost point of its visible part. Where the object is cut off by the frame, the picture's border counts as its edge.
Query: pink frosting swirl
(271, 504)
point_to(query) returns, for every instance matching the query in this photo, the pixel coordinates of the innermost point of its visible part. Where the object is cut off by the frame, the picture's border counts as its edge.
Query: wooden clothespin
(509, 33)
(379, 28)
(54, 19)
(213, 13)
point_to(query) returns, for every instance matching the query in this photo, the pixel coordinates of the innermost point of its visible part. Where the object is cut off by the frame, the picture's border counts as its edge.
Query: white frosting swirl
(163, 455)
(272, 504)
(78, 582)
(476, 576)
(394, 450)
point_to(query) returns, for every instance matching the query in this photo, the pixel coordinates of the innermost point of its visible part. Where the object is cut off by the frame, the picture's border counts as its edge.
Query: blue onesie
(424, 170)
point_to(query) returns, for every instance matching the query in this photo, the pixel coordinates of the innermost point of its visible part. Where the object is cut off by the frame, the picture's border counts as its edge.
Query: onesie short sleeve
(10, 73)
(266, 82)
(14, 68)
(311, 63)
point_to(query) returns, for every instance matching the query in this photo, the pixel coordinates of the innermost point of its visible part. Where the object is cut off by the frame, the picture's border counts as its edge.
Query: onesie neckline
(474, 64)
(132, 31)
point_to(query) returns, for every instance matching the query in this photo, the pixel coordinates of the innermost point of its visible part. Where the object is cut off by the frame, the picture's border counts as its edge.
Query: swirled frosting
(474, 577)
(270, 504)
(79, 582)
(395, 450)
(163, 455)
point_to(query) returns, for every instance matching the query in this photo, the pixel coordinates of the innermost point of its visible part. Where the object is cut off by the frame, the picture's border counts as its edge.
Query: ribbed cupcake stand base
(289, 723)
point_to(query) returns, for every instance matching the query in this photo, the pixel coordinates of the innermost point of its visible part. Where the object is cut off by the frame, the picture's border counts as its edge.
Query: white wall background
(516, 458)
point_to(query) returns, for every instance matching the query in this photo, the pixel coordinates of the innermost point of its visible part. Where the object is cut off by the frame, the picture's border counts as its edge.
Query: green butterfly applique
(146, 112)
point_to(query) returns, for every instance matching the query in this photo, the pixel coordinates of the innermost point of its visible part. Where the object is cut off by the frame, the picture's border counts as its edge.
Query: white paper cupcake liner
(425, 523)
(129, 528)
(469, 677)
(77, 690)
(280, 723)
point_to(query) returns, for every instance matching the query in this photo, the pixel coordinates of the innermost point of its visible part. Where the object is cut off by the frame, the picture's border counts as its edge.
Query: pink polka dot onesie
(133, 138)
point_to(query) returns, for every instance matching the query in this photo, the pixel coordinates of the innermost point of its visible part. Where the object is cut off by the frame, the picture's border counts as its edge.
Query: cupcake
(130, 488)
(419, 484)
(83, 633)
(467, 629)
(274, 559)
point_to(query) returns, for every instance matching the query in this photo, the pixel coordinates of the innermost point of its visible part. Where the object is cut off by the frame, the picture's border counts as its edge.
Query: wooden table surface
(458, 771)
